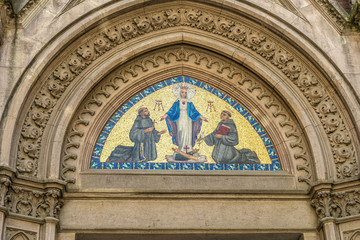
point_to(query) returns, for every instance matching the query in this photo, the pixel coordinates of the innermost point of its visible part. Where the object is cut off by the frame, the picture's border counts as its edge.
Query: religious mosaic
(184, 124)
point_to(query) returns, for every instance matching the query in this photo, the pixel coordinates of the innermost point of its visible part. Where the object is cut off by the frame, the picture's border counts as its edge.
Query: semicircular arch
(255, 48)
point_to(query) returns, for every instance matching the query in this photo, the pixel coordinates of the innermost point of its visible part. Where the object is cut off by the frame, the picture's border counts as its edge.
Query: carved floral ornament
(336, 204)
(34, 203)
(247, 37)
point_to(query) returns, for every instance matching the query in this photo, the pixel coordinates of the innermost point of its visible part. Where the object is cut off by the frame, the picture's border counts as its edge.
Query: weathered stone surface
(65, 67)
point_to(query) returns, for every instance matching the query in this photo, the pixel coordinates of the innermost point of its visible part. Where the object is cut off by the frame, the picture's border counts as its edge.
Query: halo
(190, 90)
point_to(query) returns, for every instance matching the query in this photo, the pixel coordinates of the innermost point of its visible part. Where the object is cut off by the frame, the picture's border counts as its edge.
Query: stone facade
(66, 67)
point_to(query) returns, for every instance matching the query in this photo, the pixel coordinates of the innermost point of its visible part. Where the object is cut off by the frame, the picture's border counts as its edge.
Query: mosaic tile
(186, 166)
(240, 109)
(248, 167)
(102, 138)
(175, 80)
(126, 165)
(206, 87)
(141, 166)
(160, 85)
(266, 140)
(157, 165)
(147, 92)
(173, 166)
(201, 166)
(275, 166)
(136, 99)
(241, 167)
(275, 161)
(218, 93)
(97, 165)
(109, 165)
(115, 118)
(95, 160)
(271, 152)
(109, 126)
(251, 119)
(192, 81)
(126, 107)
(97, 150)
(231, 166)
(259, 129)
(216, 167)
(261, 167)
(231, 101)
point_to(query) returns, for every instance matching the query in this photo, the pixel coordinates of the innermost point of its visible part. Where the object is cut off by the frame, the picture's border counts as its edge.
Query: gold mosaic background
(248, 137)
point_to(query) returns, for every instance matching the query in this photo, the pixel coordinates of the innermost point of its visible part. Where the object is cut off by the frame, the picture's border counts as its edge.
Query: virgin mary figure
(183, 120)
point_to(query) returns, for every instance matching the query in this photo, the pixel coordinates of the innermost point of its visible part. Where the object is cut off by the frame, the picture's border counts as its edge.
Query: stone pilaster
(337, 207)
(27, 206)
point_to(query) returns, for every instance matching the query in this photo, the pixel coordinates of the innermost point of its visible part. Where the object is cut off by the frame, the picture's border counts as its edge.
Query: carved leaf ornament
(336, 204)
(56, 84)
(33, 203)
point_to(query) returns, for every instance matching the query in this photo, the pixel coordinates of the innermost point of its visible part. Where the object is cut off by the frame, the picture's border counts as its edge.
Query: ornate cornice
(332, 202)
(27, 13)
(327, 8)
(271, 50)
(29, 6)
(26, 201)
(190, 56)
(338, 17)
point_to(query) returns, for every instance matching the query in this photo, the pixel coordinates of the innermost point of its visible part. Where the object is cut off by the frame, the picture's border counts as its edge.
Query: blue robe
(173, 116)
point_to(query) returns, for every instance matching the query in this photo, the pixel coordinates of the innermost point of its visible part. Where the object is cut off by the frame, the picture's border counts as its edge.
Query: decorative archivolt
(160, 60)
(290, 64)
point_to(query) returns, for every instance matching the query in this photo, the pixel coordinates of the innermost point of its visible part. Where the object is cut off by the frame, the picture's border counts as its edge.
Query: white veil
(190, 90)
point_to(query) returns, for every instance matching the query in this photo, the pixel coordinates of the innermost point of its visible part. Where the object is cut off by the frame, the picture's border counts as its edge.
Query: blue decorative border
(96, 164)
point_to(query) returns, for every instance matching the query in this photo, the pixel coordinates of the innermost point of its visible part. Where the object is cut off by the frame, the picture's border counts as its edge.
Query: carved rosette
(270, 49)
(336, 204)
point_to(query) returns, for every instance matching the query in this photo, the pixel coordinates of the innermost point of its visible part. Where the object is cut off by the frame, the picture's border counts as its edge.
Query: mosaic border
(95, 160)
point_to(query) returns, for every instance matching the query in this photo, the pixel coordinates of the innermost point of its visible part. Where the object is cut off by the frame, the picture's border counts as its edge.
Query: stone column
(338, 208)
(2, 222)
(4, 187)
(50, 228)
(330, 229)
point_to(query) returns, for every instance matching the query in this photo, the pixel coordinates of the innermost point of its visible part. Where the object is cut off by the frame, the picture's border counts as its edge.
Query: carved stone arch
(354, 236)
(19, 236)
(293, 69)
(203, 65)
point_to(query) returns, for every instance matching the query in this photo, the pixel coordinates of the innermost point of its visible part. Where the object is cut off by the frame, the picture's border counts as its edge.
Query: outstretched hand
(150, 129)
(163, 117)
(204, 118)
(162, 132)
